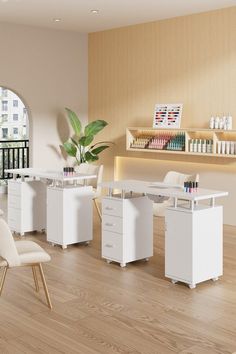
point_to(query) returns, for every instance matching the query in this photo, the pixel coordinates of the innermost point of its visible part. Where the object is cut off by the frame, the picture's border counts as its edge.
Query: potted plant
(80, 144)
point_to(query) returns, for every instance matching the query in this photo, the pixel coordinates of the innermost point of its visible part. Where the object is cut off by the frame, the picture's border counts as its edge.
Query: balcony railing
(13, 154)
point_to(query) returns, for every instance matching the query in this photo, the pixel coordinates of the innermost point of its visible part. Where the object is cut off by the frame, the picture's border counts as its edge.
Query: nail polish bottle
(191, 187)
(185, 186)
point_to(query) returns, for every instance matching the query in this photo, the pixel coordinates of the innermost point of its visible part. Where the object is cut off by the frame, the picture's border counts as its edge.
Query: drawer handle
(108, 245)
(109, 208)
(110, 224)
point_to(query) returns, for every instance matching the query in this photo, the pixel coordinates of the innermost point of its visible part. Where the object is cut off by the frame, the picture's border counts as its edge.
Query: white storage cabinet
(127, 229)
(194, 244)
(69, 215)
(26, 205)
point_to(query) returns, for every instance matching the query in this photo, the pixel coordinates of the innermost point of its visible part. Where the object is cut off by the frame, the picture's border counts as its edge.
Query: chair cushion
(3, 262)
(31, 252)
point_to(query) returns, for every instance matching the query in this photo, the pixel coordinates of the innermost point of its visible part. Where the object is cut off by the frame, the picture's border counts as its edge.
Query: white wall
(48, 70)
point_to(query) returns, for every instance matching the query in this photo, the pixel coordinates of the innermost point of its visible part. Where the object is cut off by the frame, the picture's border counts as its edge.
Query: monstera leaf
(79, 145)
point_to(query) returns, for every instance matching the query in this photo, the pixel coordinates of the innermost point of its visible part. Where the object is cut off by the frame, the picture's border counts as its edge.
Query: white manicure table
(193, 230)
(46, 199)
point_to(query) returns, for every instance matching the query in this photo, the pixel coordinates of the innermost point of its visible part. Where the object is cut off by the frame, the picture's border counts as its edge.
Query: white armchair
(175, 178)
(19, 254)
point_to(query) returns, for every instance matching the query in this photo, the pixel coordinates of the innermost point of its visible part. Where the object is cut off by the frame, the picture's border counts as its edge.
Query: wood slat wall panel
(190, 59)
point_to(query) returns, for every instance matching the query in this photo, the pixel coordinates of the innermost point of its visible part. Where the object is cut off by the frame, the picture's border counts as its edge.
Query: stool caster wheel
(173, 281)
(192, 286)
(122, 265)
(215, 279)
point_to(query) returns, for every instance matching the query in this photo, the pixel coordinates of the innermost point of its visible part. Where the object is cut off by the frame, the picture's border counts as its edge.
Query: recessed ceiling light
(57, 19)
(94, 12)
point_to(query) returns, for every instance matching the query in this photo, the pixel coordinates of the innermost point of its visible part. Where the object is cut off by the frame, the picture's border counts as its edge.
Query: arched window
(13, 116)
(14, 132)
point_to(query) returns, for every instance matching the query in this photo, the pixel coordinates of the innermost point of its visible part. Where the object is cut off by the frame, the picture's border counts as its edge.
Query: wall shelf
(189, 141)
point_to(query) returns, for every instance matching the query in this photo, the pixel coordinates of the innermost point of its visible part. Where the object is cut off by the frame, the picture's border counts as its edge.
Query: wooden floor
(101, 308)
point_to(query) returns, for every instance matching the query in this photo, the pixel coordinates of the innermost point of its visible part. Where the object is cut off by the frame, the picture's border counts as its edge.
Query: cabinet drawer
(14, 201)
(14, 188)
(112, 207)
(112, 246)
(112, 223)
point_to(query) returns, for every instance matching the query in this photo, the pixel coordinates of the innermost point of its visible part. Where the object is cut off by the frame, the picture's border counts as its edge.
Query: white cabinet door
(194, 244)
(54, 216)
(69, 215)
(77, 214)
(178, 245)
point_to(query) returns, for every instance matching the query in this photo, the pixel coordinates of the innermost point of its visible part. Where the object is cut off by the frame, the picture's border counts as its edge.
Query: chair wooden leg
(3, 279)
(35, 278)
(98, 210)
(45, 286)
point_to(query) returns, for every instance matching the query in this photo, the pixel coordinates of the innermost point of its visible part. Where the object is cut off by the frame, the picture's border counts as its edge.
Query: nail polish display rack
(190, 141)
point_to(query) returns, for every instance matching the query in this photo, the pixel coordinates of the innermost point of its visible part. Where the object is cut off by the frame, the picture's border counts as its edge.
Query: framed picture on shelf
(167, 115)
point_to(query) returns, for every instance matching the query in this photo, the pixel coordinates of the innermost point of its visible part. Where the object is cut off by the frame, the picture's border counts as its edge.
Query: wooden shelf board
(181, 153)
(183, 129)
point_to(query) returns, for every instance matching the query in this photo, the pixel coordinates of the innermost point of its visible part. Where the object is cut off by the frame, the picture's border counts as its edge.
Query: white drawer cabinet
(69, 215)
(112, 223)
(112, 246)
(194, 244)
(127, 229)
(26, 205)
(112, 206)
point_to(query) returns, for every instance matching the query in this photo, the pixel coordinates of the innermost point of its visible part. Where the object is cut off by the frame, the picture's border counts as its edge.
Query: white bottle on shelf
(229, 123)
(232, 148)
(223, 147)
(221, 123)
(227, 144)
(199, 145)
(212, 123)
(204, 146)
(219, 147)
(195, 145)
(191, 145)
(217, 122)
(224, 122)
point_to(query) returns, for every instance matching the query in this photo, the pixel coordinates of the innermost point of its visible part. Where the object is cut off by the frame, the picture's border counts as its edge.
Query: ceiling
(76, 15)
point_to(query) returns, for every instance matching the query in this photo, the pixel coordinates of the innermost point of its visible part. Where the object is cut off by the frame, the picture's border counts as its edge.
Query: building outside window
(13, 114)
(15, 103)
(4, 106)
(4, 117)
(4, 133)
(4, 92)
(15, 131)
